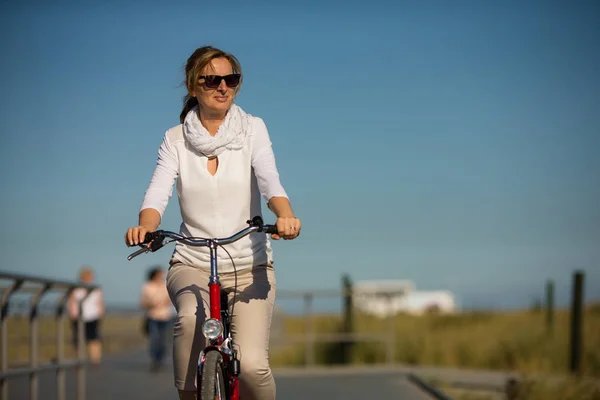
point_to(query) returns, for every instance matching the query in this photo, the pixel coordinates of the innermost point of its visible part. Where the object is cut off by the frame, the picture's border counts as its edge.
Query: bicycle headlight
(212, 329)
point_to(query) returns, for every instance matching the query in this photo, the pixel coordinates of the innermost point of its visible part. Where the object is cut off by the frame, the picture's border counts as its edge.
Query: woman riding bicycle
(222, 160)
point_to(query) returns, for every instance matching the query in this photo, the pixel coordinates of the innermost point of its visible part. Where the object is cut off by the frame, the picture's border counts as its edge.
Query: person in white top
(221, 159)
(155, 301)
(93, 311)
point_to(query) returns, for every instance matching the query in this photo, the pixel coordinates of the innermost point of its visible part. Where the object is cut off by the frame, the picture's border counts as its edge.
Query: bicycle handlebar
(156, 239)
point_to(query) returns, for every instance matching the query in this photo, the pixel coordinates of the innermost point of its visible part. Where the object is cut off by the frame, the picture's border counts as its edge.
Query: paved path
(127, 377)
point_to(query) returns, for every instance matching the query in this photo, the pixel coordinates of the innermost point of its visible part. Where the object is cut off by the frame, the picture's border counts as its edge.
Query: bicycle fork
(232, 364)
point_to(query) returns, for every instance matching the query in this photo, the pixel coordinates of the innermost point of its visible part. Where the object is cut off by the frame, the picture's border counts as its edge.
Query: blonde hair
(194, 66)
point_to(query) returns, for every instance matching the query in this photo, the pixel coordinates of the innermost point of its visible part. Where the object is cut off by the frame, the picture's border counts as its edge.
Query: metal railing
(310, 338)
(37, 287)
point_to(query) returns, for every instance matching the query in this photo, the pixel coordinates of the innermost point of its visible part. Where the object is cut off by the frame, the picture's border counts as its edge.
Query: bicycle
(218, 365)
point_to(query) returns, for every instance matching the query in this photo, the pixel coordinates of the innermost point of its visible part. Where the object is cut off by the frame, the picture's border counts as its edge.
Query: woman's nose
(222, 86)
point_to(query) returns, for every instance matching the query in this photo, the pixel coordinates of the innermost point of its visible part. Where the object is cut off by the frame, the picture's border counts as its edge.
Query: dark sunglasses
(213, 81)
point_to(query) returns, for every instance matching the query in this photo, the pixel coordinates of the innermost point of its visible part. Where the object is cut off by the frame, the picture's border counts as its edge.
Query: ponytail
(189, 102)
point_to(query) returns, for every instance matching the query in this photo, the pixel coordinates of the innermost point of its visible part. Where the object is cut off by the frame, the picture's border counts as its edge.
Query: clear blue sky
(453, 144)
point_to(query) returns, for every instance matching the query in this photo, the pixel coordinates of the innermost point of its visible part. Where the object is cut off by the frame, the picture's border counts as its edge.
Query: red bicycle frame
(214, 290)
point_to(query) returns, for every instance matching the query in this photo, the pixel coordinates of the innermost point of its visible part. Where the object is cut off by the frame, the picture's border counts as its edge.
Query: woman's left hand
(288, 228)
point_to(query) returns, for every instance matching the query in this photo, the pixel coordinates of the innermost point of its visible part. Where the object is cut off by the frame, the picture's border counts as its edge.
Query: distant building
(418, 303)
(388, 297)
(381, 297)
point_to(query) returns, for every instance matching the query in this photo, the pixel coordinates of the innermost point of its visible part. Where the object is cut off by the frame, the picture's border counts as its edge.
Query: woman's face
(215, 100)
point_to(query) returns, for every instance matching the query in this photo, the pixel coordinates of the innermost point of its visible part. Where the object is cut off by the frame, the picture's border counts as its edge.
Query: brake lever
(137, 253)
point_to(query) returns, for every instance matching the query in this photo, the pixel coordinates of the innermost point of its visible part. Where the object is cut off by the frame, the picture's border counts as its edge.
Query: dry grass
(514, 341)
(119, 333)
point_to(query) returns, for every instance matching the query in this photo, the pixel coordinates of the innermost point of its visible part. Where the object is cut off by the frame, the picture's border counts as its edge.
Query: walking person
(155, 301)
(222, 161)
(93, 311)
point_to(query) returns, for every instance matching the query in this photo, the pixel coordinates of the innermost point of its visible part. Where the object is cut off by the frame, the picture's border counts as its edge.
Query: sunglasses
(213, 81)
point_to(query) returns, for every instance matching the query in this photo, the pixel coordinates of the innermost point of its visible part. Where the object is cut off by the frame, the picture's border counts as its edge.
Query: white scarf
(231, 134)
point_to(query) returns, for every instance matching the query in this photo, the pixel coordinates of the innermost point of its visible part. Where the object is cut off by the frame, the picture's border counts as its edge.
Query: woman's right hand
(136, 235)
(148, 222)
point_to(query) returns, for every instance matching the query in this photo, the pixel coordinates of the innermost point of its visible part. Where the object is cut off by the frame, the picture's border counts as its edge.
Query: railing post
(60, 345)
(33, 340)
(81, 349)
(309, 354)
(4, 323)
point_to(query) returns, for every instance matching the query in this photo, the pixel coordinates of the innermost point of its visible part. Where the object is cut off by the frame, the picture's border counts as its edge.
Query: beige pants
(250, 325)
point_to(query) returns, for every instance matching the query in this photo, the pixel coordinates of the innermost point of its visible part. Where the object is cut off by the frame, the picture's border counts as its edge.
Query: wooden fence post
(577, 323)
(309, 353)
(348, 322)
(391, 341)
(550, 307)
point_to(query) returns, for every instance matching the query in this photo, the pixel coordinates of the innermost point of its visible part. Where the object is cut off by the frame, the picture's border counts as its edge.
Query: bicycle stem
(214, 278)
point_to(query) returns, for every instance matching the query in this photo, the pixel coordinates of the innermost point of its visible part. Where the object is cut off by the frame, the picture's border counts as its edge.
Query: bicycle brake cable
(235, 280)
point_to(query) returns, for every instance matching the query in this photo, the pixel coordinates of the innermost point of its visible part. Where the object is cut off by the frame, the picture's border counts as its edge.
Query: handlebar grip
(148, 238)
(272, 229)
